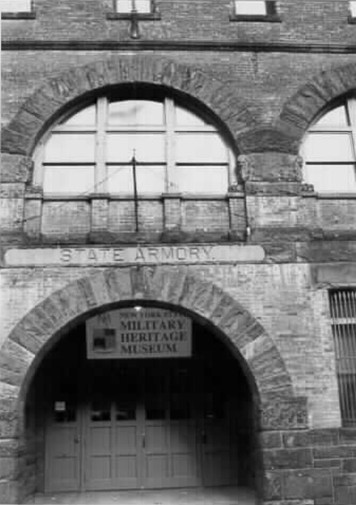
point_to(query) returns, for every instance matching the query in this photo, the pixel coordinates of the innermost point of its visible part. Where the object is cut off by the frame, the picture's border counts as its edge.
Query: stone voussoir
(73, 83)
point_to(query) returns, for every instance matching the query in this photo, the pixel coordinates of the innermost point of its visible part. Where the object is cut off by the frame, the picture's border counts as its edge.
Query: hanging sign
(139, 332)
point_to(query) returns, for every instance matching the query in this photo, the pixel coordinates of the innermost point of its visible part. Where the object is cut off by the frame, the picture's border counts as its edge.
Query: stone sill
(329, 196)
(272, 18)
(157, 197)
(151, 16)
(18, 15)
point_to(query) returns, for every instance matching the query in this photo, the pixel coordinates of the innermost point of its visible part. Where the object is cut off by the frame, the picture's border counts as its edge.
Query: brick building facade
(255, 267)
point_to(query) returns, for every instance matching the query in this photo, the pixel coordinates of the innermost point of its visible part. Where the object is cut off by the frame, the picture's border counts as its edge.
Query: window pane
(125, 410)
(70, 148)
(147, 147)
(150, 179)
(328, 147)
(72, 180)
(100, 411)
(15, 5)
(136, 113)
(250, 7)
(336, 117)
(125, 6)
(200, 147)
(180, 407)
(200, 179)
(155, 408)
(85, 117)
(186, 118)
(331, 177)
(64, 411)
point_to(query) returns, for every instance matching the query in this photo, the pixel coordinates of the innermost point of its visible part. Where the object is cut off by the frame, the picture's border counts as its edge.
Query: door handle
(76, 440)
(204, 438)
(143, 440)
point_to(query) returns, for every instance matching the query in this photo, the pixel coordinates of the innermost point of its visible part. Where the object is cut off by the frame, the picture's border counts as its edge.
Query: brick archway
(299, 112)
(34, 116)
(177, 287)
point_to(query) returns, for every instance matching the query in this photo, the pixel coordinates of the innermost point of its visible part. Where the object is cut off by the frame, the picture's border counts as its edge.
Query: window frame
(271, 15)
(28, 14)
(352, 16)
(101, 129)
(154, 13)
(349, 103)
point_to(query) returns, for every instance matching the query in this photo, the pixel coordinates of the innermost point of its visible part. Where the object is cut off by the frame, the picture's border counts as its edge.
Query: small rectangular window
(129, 6)
(15, 5)
(250, 7)
(343, 316)
(252, 10)
(352, 7)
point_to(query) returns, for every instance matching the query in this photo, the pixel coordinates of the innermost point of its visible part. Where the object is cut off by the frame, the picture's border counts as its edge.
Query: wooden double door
(141, 426)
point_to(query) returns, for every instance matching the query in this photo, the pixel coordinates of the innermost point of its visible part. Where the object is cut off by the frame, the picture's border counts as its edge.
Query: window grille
(343, 316)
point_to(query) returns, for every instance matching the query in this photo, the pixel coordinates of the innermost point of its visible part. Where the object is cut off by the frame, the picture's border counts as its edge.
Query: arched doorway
(177, 288)
(134, 421)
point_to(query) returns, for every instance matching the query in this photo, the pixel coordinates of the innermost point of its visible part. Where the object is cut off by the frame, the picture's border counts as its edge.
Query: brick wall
(265, 88)
(307, 20)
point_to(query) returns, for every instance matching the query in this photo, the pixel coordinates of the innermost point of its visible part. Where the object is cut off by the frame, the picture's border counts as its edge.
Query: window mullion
(351, 110)
(231, 175)
(100, 158)
(170, 145)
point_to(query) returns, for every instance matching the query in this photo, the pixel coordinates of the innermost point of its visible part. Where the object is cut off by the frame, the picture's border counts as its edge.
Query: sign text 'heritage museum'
(138, 332)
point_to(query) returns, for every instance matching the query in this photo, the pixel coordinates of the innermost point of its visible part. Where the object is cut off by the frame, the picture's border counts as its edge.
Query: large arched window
(329, 150)
(174, 150)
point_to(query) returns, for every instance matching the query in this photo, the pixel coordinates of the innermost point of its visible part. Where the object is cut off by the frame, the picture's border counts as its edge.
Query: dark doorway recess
(140, 423)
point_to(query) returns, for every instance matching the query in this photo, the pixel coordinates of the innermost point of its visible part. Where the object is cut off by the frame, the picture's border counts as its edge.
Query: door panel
(62, 457)
(127, 455)
(218, 449)
(99, 458)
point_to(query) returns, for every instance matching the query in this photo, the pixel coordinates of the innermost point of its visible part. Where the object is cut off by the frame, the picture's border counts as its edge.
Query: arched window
(174, 150)
(329, 150)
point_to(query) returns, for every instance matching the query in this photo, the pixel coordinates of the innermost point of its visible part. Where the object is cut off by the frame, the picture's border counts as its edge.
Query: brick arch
(173, 286)
(34, 116)
(300, 110)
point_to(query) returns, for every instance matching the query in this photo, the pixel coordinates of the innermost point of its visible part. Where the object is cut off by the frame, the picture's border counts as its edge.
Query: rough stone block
(285, 414)
(287, 458)
(313, 483)
(271, 440)
(349, 465)
(9, 492)
(272, 486)
(15, 168)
